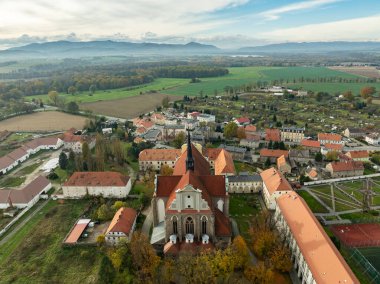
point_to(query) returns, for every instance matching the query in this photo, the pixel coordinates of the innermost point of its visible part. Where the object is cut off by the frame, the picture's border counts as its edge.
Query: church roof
(201, 166)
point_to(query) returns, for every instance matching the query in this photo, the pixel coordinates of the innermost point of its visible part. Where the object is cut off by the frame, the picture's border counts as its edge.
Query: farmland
(128, 107)
(366, 71)
(43, 121)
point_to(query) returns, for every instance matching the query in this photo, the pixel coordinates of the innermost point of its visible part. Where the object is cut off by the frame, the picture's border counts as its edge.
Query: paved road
(148, 221)
(13, 230)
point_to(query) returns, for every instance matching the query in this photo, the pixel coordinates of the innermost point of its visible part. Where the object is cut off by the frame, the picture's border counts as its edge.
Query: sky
(224, 23)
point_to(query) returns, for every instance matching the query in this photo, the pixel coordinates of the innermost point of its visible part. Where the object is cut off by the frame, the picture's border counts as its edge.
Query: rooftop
(329, 136)
(275, 181)
(123, 221)
(97, 179)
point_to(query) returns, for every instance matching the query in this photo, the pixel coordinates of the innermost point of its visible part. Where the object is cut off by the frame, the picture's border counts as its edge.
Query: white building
(206, 118)
(122, 226)
(106, 184)
(244, 183)
(314, 256)
(373, 139)
(330, 138)
(274, 185)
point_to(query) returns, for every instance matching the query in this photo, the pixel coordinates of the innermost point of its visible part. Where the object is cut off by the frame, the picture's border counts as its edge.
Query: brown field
(366, 71)
(129, 107)
(43, 121)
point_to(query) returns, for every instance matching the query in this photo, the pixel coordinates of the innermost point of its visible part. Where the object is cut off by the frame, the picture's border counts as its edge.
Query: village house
(158, 118)
(171, 130)
(274, 185)
(238, 153)
(300, 156)
(358, 155)
(331, 147)
(122, 226)
(312, 173)
(272, 134)
(345, 169)
(292, 134)
(193, 115)
(330, 138)
(314, 256)
(373, 139)
(272, 155)
(244, 183)
(153, 135)
(283, 166)
(251, 141)
(354, 132)
(241, 121)
(312, 145)
(105, 184)
(74, 142)
(207, 118)
(26, 196)
(191, 207)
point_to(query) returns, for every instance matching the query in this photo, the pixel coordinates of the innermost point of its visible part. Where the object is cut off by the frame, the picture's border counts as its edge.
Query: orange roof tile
(123, 220)
(275, 181)
(224, 163)
(334, 147)
(310, 143)
(329, 136)
(346, 166)
(250, 128)
(222, 224)
(77, 231)
(272, 134)
(201, 165)
(97, 179)
(357, 154)
(281, 161)
(159, 154)
(273, 153)
(324, 260)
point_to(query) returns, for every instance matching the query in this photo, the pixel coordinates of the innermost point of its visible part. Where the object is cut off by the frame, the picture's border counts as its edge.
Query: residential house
(345, 169)
(122, 226)
(314, 256)
(241, 121)
(238, 153)
(358, 155)
(283, 166)
(251, 141)
(312, 145)
(273, 155)
(272, 134)
(354, 132)
(292, 134)
(153, 135)
(330, 138)
(312, 173)
(331, 147)
(105, 184)
(274, 185)
(373, 139)
(207, 118)
(300, 156)
(244, 183)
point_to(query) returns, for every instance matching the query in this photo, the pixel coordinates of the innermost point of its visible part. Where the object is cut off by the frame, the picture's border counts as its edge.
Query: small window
(188, 206)
(188, 196)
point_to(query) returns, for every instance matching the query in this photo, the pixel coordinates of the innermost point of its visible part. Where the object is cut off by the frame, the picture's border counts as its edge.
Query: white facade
(115, 237)
(270, 199)
(105, 191)
(206, 118)
(373, 139)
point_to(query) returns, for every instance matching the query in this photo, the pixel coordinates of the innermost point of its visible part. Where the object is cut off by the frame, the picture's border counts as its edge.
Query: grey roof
(152, 134)
(292, 128)
(174, 126)
(233, 149)
(245, 178)
(294, 153)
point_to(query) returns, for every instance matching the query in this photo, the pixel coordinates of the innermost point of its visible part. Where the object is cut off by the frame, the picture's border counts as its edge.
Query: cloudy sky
(225, 23)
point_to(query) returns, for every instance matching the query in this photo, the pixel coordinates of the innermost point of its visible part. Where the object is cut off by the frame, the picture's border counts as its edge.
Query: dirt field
(366, 71)
(128, 107)
(43, 121)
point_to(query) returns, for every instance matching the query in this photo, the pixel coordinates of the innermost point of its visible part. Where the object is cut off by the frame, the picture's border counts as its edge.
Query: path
(13, 230)
(148, 221)
(317, 198)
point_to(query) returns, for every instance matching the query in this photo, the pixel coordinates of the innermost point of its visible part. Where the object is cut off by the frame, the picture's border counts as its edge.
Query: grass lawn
(244, 167)
(140, 187)
(62, 175)
(35, 254)
(314, 205)
(12, 181)
(29, 169)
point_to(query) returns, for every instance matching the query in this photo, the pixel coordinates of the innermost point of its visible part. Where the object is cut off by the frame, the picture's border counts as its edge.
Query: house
(122, 226)
(26, 196)
(358, 155)
(354, 132)
(43, 143)
(283, 166)
(107, 130)
(312, 173)
(192, 206)
(74, 142)
(314, 256)
(373, 139)
(158, 118)
(6, 164)
(345, 169)
(272, 155)
(170, 131)
(331, 147)
(292, 134)
(312, 145)
(241, 121)
(207, 118)
(106, 184)
(244, 183)
(274, 185)
(193, 115)
(330, 138)
(251, 141)
(300, 156)
(153, 135)
(272, 134)
(250, 129)
(238, 153)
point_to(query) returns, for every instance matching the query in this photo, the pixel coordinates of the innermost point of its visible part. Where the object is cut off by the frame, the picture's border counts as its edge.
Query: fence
(340, 179)
(365, 266)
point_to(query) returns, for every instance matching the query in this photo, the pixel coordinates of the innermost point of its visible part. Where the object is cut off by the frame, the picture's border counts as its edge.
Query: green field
(314, 205)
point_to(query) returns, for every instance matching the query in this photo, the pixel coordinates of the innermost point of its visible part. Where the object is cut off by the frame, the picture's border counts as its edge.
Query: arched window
(189, 226)
(204, 225)
(175, 229)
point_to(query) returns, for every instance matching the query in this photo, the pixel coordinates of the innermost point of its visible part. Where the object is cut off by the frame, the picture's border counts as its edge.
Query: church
(191, 207)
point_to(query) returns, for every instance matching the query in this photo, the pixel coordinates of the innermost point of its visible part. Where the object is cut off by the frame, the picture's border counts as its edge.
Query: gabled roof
(347, 166)
(334, 147)
(97, 179)
(122, 221)
(159, 154)
(281, 161)
(275, 181)
(272, 134)
(329, 137)
(5, 162)
(222, 224)
(323, 259)
(310, 143)
(201, 165)
(224, 163)
(43, 141)
(273, 153)
(17, 154)
(357, 154)
(243, 120)
(250, 128)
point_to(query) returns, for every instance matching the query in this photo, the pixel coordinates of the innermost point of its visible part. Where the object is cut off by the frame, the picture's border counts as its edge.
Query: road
(13, 230)
(148, 221)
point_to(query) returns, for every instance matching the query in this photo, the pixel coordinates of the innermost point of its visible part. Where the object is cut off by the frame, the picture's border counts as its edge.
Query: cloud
(276, 13)
(358, 29)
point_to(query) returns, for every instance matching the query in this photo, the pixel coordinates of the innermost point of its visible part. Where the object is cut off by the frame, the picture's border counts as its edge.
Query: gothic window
(175, 229)
(204, 225)
(189, 226)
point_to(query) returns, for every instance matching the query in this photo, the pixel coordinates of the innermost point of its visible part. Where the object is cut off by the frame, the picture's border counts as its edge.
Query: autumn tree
(241, 133)
(104, 213)
(179, 140)
(348, 96)
(72, 90)
(241, 250)
(166, 170)
(259, 274)
(332, 156)
(165, 102)
(186, 267)
(367, 92)
(230, 130)
(118, 151)
(120, 256)
(53, 97)
(280, 258)
(106, 272)
(118, 204)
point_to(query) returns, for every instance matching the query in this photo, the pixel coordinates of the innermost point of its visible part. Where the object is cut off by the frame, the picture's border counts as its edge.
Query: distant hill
(315, 47)
(106, 48)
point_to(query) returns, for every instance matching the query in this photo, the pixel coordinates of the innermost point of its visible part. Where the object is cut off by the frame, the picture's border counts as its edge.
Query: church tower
(189, 159)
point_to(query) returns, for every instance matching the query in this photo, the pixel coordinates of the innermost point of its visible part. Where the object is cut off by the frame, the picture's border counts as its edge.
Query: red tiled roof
(5, 162)
(357, 154)
(329, 136)
(254, 137)
(310, 143)
(335, 147)
(272, 134)
(201, 165)
(224, 163)
(250, 128)
(273, 153)
(243, 120)
(17, 154)
(281, 161)
(77, 231)
(275, 181)
(212, 153)
(347, 166)
(123, 221)
(69, 137)
(159, 154)
(222, 224)
(43, 141)
(97, 179)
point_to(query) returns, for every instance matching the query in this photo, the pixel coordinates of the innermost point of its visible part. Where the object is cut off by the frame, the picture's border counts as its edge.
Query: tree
(280, 259)
(282, 146)
(100, 240)
(106, 271)
(348, 96)
(267, 163)
(332, 156)
(62, 160)
(104, 213)
(118, 151)
(165, 102)
(367, 92)
(230, 130)
(72, 90)
(92, 89)
(53, 97)
(318, 157)
(72, 107)
(85, 151)
(259, 274)
(118, 204)
(166, 170)
(241, 133)
(241, 251)
(179, 140)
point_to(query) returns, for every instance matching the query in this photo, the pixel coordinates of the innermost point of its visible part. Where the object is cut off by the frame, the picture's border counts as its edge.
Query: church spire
(189, 159)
